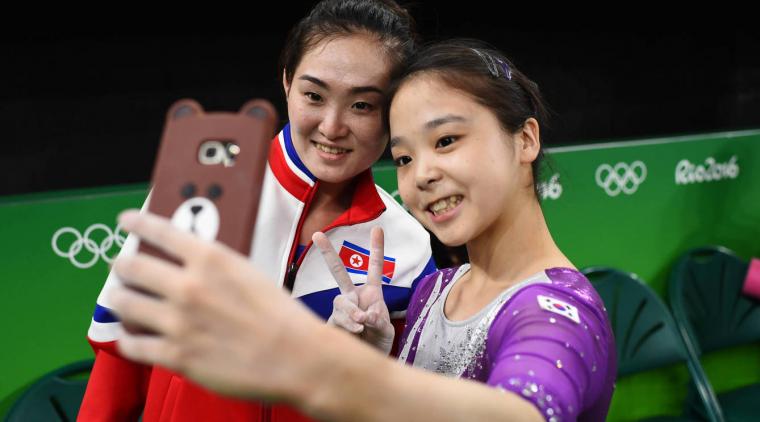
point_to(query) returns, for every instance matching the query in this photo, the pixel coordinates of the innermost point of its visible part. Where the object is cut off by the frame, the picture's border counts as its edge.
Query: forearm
(414, 394)
(357, 383)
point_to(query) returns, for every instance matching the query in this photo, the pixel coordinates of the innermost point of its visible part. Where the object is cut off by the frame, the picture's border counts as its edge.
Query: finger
(334, 263)
(148, 273)
(148, 349)
(342, 320)
(376, 320)
(372, 319)
(346, 314)
(159, 232)
(348, 304)
(138, 309)
(376, 259)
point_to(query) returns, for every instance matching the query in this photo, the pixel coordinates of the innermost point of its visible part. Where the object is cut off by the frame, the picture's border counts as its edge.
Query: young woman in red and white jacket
(336, 68)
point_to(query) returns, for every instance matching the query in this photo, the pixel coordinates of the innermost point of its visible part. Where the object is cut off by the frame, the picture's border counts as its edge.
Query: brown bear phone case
(209, 171)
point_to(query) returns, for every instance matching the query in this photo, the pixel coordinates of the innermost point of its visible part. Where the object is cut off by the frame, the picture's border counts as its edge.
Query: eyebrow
(449, 118)
(354, 90)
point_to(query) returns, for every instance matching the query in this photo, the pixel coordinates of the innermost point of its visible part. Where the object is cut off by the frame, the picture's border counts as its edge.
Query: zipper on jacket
(292, 270)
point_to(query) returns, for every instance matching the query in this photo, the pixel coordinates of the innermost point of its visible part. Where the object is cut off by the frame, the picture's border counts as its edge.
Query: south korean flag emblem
(559, 307)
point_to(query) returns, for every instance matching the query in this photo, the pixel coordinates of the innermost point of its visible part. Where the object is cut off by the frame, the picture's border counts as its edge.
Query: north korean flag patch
(356, 260)
(559, 307)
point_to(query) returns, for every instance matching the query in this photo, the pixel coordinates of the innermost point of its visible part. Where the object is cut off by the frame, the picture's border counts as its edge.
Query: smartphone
(209, 170)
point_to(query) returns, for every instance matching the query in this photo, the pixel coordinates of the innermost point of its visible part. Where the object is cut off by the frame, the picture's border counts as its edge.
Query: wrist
(338, 387)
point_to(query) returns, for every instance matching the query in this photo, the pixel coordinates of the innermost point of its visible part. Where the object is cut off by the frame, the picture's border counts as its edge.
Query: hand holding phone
(209, 171)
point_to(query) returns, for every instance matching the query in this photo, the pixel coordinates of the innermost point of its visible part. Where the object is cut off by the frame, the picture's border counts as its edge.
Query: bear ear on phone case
(209, 170)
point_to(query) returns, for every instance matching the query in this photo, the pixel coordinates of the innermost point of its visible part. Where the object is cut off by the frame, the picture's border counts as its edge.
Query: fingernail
(127, 219)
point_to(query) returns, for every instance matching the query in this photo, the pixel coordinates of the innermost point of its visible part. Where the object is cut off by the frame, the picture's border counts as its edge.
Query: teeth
(329, 149)
(442, 205)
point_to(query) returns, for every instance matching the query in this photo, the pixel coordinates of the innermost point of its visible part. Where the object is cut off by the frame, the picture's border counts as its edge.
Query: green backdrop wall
(635, 206)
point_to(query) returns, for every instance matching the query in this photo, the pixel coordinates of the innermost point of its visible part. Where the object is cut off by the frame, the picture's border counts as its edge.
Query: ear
(184, 108)
(529, 141)
(285, 84)
(259, 109)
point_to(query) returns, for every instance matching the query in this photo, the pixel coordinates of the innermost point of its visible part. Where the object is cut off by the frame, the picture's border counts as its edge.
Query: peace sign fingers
(334, 263)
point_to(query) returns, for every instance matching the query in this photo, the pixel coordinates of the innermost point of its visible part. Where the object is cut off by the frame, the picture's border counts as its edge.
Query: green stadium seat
(647, 338)
(705, 290)
(56, 396)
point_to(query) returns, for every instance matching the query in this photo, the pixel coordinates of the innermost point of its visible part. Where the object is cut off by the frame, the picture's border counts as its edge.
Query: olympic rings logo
(85, 241)
(621, 178)
(551, 189)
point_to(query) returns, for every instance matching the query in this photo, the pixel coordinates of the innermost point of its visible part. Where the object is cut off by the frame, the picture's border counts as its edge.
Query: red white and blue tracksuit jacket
(120, 389)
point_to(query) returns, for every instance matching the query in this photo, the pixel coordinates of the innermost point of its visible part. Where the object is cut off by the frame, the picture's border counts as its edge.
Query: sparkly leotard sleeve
(546, 339)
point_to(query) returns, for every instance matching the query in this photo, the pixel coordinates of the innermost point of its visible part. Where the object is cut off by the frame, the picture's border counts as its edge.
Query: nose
(427, 172)
(333, 124)
(196, 209)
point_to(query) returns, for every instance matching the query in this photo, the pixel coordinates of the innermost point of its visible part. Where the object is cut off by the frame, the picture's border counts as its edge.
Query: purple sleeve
(565, 368)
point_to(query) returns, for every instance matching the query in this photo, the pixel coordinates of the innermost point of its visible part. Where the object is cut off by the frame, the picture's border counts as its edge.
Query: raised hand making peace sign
(360, 309)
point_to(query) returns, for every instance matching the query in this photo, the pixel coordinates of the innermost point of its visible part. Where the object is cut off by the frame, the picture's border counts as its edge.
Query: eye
(445, 141)
(313, 97)
(187, 191)
(214, 191)
(363, 106)
(402, 161)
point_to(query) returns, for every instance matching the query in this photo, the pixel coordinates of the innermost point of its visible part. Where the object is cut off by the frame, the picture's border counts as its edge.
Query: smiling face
(459, 171)
(335, 106)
